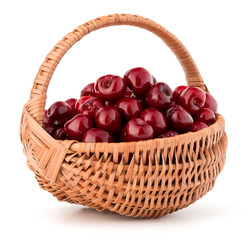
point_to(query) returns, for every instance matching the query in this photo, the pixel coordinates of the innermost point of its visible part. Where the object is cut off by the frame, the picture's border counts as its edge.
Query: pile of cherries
(133, 108)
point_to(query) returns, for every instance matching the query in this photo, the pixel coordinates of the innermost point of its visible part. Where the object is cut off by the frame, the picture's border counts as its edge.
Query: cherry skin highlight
(95, 135)
(71, 103)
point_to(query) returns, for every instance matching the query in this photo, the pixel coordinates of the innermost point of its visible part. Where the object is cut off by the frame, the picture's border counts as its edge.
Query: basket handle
(41, 82)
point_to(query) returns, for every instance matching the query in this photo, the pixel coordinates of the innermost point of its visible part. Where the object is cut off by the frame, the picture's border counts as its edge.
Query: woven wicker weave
(115, 176)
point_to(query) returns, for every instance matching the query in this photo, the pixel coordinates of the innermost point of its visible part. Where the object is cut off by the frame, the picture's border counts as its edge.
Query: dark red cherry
(168, 133)
(60, 134)
(139, 80)
(137, 130)
(179, 119)
(77, 126)
(50, 129)
(71, 102)
(88, 90)
(81, 101)
(110, 87)
(192, 99)
(108, 118)
(123, 134)
(211, 103)
(90, 107)
(46, 120)
(177, 92)
(205, 115)
(59, 113)
(95, 135)
(196, 126)
(154, 80)
(159, 96)
(154, 118)
(129, 107)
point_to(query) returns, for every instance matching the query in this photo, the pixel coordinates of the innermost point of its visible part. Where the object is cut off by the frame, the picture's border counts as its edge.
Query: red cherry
(108, 118)
(129, 93)
(205, 115)
(46, 120)
(95, 135)
(154, 80)
(192, 99)
(71, 103)
(155, 119)
(110, 87)
(211, 103)
(159, 96)
(129, 107)
(81, 101)
(77, 126)
(88, 90)
(137, 130)
(123, 134)
(60, 134)
(139, 80)
(169, 133)
(90, 107)
(179, 119)
(196, 126)
(177, 92)
(59, 113)
(49, 128)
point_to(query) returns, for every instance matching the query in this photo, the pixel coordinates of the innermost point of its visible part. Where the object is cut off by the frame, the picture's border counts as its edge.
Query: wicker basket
(115, 176)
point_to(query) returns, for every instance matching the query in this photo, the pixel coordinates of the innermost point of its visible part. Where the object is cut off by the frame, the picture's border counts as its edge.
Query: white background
(217, 35)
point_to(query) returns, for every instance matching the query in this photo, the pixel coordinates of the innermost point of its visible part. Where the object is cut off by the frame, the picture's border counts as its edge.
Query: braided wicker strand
(115, 176)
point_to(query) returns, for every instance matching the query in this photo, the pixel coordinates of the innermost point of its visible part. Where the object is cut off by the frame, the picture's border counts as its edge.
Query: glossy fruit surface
(60, 134)
(81, 101)
(139, 80)
(129, 107)
(46, 120)
(196, 126)
(137, 130)
(90, 107)
(88, 90)
(211, 103)
(95, 135)
(77, 126)
(59, 112)
(169, 133)
(205, 115)
(159, 96)
(71, 102)
(108, 118)
(177, 92)
(50, 129)
(179, 119)
(110, 87)
(192, 99)
(155, 119)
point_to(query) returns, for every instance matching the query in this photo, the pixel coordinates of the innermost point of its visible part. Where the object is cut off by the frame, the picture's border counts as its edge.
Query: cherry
(137, 130)
(159, 96)
(46, 120)
(129, 107)
(60, 134)
(59, 112)
(154, 118)
(71, 103)
(177, 92)
(139, 80)
(88, 90)
(179, 119)
(90, 107)
(192, 99)
(211, 103)
(129, 93)
(169, 133)
(154, 80)
(196, 126)
(77, 126)
(49, 128)
(123, 134)
(110, 87)
(95, 135)
(108, 118)
(205, 115)
(80, 102)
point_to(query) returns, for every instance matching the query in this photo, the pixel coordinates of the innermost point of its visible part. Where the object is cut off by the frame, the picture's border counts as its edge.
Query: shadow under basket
(145, 179)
